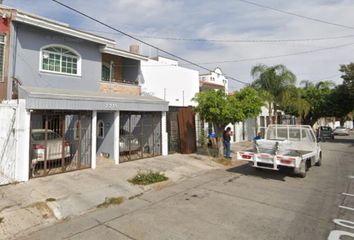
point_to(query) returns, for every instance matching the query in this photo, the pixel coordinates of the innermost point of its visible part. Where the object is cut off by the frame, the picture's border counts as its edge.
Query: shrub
(149, 177)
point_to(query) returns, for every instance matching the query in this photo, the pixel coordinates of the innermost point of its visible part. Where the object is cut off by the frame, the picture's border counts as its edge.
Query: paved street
(236, 203)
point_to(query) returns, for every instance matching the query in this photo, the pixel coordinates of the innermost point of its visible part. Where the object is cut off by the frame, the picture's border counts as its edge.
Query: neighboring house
(165, 79)
(67, 96)
(213, 80)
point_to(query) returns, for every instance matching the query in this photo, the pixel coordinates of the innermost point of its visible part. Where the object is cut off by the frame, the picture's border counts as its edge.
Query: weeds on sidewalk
(149, 177)
(43, 208)
(223, 161)
(111, 201)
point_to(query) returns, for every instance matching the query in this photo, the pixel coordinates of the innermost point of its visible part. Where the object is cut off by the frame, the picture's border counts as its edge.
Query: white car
(341, 131)
(53, 146)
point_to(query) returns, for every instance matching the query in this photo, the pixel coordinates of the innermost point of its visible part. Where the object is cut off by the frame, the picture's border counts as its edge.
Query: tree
(348, 77)
(274, 80)
(318, 97)
(221, 109)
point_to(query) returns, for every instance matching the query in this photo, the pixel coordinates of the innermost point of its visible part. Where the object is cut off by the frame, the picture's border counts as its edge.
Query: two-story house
(69, 96)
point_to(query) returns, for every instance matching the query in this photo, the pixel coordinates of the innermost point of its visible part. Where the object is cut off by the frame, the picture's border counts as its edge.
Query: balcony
(120, 74)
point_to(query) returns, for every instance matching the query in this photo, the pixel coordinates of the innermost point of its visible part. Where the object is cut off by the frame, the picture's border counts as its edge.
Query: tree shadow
(340, 139)
(248, 170)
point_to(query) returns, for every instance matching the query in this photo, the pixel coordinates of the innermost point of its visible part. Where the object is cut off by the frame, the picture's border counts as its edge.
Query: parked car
(341, 131)
(54, 145)
(324, 132)
(124, 145)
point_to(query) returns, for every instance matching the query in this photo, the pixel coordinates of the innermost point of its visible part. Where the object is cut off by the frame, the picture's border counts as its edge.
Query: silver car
(124, 145)
(341, 131)
(53, 146)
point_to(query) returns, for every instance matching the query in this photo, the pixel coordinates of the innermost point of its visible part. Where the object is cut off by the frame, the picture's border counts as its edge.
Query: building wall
(106, 145)
(26, 44)
(121, 88)
(5, 24)
(167, 81)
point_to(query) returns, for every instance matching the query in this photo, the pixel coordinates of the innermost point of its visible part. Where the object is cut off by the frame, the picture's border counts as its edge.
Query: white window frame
(98, 129)
(2, 78)
(78, 63)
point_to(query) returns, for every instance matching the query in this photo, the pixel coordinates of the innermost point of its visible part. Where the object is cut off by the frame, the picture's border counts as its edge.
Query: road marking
(344, 223)
(336, 235)
(348, 194)
(348, 208)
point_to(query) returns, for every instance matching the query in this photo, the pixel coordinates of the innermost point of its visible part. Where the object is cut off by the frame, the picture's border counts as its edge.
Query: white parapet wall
(8, 115)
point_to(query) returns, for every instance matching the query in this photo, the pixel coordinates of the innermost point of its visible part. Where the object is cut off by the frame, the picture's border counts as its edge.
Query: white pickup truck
(293, 146)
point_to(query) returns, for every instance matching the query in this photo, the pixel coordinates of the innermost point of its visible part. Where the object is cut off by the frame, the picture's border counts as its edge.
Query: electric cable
(296, 15)
(144, 42)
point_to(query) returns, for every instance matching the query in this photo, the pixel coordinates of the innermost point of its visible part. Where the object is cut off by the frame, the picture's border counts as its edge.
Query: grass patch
(1, 219)
(50, 200)
(111, 201)
(149, 177)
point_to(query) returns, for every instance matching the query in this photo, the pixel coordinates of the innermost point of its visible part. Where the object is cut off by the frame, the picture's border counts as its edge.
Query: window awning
(63, 99)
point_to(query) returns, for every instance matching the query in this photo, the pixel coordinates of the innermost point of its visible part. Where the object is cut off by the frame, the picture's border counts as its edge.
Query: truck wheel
(302, 169)
(319, 162)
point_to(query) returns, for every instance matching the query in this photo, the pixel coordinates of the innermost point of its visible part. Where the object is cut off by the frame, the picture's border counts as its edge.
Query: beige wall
(121, 88)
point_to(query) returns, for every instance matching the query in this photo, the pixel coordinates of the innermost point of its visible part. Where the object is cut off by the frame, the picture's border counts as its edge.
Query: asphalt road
(236, 203)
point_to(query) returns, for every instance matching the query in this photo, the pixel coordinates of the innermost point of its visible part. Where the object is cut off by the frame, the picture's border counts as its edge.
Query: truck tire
(301, 171)
(319, 162)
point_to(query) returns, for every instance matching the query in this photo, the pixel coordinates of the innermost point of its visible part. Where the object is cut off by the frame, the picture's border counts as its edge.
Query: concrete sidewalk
(30, 206)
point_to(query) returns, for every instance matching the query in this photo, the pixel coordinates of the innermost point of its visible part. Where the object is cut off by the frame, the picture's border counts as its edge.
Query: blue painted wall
(106, 145)
(27, 42)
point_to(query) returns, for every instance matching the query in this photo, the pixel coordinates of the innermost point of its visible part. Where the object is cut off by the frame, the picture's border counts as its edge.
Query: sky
(316, 54)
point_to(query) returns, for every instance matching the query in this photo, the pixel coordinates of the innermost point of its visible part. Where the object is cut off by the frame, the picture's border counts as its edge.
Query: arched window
(100, 129)
(60, 59)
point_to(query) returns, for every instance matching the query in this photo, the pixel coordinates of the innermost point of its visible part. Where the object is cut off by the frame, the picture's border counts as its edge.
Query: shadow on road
(337, 139)
(263, 173)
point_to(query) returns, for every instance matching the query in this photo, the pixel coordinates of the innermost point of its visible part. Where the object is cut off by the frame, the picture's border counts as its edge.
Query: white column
(94, 139)
(164, 134)
(116, 137)
(23, 123)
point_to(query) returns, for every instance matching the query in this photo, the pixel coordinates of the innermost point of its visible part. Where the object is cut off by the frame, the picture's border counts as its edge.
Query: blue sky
(227, 19)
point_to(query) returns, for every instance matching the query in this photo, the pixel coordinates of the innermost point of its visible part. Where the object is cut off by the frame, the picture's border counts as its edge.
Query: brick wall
(121, 88)
(117, 66)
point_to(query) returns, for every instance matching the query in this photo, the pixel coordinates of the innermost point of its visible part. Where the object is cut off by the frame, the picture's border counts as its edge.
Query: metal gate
(172, 129)
(139, 135)
(60, 142)
(187, 133)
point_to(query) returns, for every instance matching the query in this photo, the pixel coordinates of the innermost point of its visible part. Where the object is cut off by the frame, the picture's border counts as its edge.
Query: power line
(229, 40)
(296, 15)
(281, 55)
(144, 42)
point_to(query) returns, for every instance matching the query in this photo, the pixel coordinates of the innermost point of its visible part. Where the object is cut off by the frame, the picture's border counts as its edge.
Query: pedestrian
(226, 138)
(212, 139)
(259, 136)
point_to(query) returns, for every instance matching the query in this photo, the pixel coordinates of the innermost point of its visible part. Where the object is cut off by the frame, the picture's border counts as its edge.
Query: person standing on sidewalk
(226, 138)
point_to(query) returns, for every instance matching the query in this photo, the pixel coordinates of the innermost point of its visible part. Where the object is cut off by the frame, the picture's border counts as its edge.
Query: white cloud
(228, 19)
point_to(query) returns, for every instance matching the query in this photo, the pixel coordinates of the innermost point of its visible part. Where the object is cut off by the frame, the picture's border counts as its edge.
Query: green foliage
(348, 77)
(221, 109)
(149, 177)
(273, 81)
(217, 107)
(250, 101)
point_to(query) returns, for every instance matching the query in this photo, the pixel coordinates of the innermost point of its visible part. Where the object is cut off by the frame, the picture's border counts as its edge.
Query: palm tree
(275, 80)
